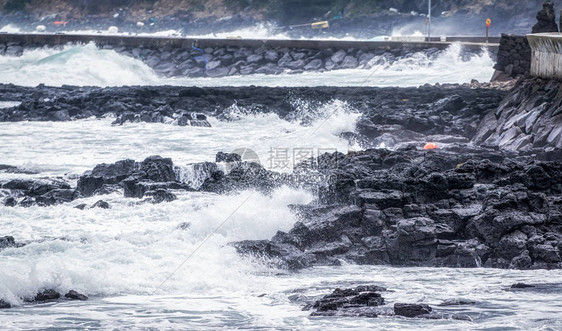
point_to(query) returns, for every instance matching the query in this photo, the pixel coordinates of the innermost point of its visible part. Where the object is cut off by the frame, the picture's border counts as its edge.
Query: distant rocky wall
(219, 58)
(514, 57)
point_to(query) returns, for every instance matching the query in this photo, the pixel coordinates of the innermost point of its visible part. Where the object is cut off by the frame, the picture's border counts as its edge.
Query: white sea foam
(124, 257)
(134, 248)
(100, 142)
(10, 28)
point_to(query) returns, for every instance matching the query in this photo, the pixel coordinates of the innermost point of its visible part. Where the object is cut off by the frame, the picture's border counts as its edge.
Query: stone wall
(514, 57)
(228, 57)
(233, 60)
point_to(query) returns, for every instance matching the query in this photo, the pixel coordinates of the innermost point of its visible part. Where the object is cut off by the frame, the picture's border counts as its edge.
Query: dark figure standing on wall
(546, 19)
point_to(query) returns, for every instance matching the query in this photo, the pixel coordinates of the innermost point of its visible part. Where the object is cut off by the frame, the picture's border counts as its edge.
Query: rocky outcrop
(529, 118)
(8, 241)
(361, 301)
(154, 176)
(42, 192)
(47, 295)
(411, 310)
(546, 18)
(139, 104)
(430, 110)
(366, 301)
(415, 208)
(73, 295)
(152, 179)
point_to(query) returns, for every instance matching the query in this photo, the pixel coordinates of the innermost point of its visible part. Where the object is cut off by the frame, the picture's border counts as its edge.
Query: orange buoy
(430, 146)
(60, 22)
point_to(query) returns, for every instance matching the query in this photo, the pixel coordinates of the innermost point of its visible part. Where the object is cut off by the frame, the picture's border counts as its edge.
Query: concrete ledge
(39, 40)
(546, 60)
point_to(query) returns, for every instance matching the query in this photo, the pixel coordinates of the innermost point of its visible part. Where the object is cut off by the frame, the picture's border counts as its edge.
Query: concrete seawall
(39, 40)
(546, 61)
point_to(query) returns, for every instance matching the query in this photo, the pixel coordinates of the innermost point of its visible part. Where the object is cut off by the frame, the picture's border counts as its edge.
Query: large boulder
(411, 309)
(546, 18)
(104, 174)
(354, 302)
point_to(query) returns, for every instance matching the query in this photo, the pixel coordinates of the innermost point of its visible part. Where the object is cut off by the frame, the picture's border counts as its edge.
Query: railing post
(429, 21)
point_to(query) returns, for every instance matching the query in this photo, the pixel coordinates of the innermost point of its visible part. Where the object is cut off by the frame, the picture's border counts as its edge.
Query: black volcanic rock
(228, 157)
(46, 295)
(42, 192)
(359, 302)
(529, 118)
(416, 208)
(411, 309)
(101, 204)
(7, 241)
(4, 304)
(104, 174)
(73, 295)
(546, 18)
(522, 285)
(424, 110)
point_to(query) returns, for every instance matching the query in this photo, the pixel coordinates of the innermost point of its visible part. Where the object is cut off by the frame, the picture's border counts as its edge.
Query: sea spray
(88, 65)
(132, 248)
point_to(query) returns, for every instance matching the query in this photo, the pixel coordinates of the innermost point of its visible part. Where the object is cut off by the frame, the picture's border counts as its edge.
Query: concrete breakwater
(547, 55)
(228, 57)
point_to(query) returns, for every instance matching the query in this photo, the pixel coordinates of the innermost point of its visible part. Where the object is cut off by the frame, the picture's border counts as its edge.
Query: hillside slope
(373, 16)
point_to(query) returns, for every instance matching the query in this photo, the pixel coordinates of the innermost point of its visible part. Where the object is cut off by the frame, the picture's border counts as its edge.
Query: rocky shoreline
(446, 109)
(466, 204)
(411, 207)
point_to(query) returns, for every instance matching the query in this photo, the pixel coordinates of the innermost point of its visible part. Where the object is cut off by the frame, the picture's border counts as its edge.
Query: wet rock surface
(361, 301)
(73, 295)
(411, 309)
(9, 241)
(154, 177)
(47, 295)
(528, 118)
(42, 192)
(4, 304)
(461, 205)
(154, 180)
(416, 208)
(430, 110)
(366, 301)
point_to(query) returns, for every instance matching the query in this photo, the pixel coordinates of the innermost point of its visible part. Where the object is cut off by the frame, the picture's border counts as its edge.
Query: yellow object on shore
(320, 25)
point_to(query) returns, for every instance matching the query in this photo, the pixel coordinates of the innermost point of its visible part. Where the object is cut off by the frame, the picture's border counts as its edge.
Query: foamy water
(124, 258)
(170, 266)
(131, 248)
(88, 65)
(262, 133)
